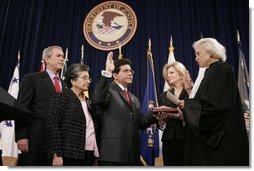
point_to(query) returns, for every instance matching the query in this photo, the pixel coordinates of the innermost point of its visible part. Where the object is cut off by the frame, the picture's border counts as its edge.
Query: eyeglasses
(128, 70)
(86, 78)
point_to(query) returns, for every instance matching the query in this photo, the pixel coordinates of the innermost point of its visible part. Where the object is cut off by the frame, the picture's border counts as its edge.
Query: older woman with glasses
(71, 122)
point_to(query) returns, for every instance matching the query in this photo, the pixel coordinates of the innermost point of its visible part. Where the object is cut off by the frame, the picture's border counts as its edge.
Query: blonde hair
(213, 47)
(179, 67)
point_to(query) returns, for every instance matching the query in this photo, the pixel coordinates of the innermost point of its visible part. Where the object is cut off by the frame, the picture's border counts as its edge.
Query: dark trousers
(32, 159)
(131, 161)
(173, 152)
(87, 161)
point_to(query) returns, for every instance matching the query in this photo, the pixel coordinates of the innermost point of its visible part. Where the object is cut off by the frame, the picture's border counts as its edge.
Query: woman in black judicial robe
(173, 137)
(216, 130)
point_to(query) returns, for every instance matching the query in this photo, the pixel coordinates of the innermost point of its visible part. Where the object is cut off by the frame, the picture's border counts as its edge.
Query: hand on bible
(164, 113)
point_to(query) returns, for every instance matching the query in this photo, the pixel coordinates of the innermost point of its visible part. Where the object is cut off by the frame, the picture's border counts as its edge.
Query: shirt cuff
(106, 74)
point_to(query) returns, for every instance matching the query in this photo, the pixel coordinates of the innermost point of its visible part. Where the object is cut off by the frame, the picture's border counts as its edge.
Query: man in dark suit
(35, 93)
(121, 117)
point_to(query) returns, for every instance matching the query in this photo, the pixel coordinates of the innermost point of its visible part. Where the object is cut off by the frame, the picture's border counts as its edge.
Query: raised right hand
(110, 63)
(188, 83)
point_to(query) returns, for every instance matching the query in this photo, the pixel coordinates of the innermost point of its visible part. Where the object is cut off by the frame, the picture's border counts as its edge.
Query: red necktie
(57, 85)
(127, 97)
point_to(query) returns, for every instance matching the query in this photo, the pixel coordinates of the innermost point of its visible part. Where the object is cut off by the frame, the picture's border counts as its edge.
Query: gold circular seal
(109, 24)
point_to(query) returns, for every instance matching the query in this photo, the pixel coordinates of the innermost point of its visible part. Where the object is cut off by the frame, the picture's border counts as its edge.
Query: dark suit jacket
(35, 93)
(66, 126)
(217, 134)
(175, 129)
(120, 123)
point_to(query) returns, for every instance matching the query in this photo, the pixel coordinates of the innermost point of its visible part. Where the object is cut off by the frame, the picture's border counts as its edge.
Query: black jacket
(120, 122)
(217, 134)
(66, 125)
(175, 129)
(35, 93)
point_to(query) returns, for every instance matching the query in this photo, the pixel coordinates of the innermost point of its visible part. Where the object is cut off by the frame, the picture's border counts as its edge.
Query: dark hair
(73, 72)
(120, 62)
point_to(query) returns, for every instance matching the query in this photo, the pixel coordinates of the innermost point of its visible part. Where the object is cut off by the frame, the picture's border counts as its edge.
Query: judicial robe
(216, 134)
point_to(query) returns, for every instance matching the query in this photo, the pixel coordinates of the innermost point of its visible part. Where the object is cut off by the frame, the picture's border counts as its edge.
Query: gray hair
(73, 72)
(48, 52)
(213, 47)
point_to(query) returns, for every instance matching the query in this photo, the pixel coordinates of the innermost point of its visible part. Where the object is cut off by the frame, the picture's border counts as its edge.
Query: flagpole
(171, 59)
(86, 93)
(150, 139)
(149, 54)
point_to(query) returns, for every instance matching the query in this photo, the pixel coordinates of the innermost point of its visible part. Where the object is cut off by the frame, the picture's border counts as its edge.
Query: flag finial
(149, 44)
(238, 36)
(149, 47)
(171, 47)
(120, 56)
(171, 41)
(82, 54)
(66, 54)
(18, 55)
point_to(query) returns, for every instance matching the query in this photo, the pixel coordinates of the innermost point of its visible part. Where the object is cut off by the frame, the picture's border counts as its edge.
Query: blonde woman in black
(173, 138)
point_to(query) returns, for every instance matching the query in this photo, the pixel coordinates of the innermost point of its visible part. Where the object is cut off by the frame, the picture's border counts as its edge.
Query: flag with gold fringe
(149, 138)
(243, 75)
(243, 84)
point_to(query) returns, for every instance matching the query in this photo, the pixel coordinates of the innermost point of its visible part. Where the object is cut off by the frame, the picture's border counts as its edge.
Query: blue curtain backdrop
(32, 25)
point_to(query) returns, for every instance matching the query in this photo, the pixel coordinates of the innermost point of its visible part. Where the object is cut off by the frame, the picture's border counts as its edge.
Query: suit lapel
(132, 100)
(121, 92)
(64, 86)
(47, 81)
(183, 95)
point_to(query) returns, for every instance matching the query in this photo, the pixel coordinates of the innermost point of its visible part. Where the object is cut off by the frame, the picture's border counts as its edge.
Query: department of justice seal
(109, 24)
